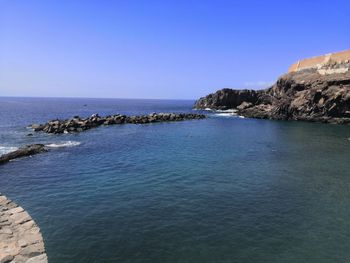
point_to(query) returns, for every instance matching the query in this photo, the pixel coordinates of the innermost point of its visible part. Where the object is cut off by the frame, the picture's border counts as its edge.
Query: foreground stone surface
(307, 95)
(77, 124)
(22, 152)
(20, 238)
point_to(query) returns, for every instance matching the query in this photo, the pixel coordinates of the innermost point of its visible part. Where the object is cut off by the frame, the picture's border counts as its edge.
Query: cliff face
(303, 95)
(227, 99)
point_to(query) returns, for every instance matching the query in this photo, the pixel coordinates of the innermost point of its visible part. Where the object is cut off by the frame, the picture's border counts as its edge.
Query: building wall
(319, 60)
(341, 56)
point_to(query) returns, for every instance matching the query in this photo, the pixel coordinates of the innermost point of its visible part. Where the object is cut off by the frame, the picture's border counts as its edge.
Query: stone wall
(319, 61)
(20, 238)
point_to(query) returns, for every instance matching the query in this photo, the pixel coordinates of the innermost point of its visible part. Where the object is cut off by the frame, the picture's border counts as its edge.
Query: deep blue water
(213, 190)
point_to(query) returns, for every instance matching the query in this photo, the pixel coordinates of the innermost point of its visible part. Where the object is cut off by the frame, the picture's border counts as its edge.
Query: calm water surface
(213, 190)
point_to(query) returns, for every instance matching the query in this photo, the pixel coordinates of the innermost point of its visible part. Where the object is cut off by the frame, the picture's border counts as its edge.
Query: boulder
(22, 152)
(244, 105)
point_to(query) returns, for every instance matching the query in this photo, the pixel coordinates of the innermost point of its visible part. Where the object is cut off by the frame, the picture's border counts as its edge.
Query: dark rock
(304, 95)
(37, 127)
(227, 99)
(22, 152)
(76, 124)
(244, 105)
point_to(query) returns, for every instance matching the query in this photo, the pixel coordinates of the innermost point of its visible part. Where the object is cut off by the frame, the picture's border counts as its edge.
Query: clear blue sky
(160, 49)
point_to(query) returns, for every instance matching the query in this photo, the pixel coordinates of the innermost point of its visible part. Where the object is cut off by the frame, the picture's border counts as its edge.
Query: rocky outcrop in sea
(77, 124)
(27, 150)
(316, 94)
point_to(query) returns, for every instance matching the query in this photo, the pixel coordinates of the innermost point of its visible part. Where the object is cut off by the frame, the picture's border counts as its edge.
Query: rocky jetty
(20, 238)
(22, 152)
(316, 94)
(77, 124)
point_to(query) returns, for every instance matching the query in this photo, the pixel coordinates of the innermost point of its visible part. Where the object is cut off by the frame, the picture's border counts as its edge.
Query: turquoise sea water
(223, 189)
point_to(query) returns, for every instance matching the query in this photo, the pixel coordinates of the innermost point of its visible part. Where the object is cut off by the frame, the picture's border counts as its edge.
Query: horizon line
(73, 97)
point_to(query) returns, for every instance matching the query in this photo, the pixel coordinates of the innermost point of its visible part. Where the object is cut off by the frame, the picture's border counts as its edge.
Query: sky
(160, 49)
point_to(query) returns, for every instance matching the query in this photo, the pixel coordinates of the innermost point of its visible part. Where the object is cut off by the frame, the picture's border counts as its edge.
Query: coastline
(312, 94)
(20, 237)
(128, 177)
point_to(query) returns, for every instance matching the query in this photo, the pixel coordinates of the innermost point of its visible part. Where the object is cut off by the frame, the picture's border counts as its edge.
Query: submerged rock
(77, 124)
(22, 152)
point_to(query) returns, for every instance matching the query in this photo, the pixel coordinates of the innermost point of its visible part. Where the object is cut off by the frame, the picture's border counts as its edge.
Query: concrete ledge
(20, 238)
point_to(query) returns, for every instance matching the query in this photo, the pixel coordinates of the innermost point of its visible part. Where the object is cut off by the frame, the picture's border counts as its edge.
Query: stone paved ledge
(20, 238)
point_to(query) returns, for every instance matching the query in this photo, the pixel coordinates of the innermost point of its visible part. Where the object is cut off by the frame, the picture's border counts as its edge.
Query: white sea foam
(227, 111)
(225, 114)
(63, 144)
(208, 109)
(7, 149)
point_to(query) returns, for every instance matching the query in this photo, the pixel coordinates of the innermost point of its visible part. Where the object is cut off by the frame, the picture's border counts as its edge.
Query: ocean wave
(227, 111)
(7, 149)
(225, 114)
(63, 144)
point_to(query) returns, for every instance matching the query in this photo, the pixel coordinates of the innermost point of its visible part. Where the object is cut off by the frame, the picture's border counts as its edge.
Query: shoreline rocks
(20, 238)
(77, 124)
(303, 95)
(27, 150)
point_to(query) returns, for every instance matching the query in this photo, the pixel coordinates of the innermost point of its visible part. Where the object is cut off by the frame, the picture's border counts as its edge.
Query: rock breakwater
(27, 150)
(20, 238)
(77, 124)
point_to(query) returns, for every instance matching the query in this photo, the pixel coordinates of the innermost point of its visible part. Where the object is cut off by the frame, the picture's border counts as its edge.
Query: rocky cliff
(308, 95)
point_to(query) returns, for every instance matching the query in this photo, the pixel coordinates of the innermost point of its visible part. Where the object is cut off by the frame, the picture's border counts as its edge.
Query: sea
(223, 189)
